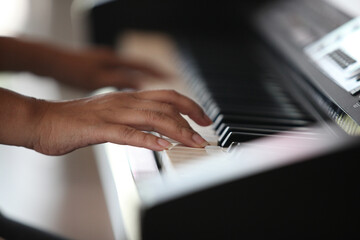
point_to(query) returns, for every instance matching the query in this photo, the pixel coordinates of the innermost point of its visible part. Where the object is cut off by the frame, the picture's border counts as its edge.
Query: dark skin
(56, 128)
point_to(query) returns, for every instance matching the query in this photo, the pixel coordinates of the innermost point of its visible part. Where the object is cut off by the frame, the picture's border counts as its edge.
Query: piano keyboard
(243, 106)
(265, 156)
(179, 155)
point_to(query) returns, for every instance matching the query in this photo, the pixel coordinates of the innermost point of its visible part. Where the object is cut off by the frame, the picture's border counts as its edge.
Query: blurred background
(63, 194)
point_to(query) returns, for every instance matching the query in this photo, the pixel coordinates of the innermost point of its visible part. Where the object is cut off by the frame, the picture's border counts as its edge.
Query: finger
(184, 104)
(119, 79)
(160, 122)
(125, 135)
(166, 108)
(144, 67)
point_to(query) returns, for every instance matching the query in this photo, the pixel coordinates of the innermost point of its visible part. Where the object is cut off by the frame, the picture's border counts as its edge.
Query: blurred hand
(90, 69)
(100, 67)
(118, 118)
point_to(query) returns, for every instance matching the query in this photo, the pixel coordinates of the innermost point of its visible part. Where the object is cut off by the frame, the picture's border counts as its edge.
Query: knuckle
(147, 139)
(128, 133)
(168, 108)
(186, 123)
(183, 131)
(152, 116)
(143, 139)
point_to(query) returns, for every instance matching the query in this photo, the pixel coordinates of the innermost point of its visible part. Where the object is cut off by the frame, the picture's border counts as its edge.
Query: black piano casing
(109, 18)
(317, 199)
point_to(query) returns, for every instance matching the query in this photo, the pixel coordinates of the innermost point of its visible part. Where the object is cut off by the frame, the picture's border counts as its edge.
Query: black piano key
(260, 111)
(229, 130)
(248, 94)
(228, 135)
(221, 128)
(224, 126)
(259, 120)
(242, 97)
(245, 99)
(258, 130)
(240, 137)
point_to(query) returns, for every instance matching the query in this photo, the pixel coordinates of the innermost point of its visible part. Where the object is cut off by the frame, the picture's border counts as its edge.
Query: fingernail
(199, 140)
(163, 143)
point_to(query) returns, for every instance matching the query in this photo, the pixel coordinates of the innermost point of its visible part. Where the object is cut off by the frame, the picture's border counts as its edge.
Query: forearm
(17, 55)
(18, 118)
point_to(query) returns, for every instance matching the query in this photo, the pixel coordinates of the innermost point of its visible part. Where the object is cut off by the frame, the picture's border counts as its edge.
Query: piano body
(280, 79)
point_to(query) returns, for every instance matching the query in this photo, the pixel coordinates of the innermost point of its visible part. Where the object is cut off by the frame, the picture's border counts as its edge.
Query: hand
(118, 118)
(90, 69)
(99, 67)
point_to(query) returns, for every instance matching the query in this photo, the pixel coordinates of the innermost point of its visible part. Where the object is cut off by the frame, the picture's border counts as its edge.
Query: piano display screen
(338, 54)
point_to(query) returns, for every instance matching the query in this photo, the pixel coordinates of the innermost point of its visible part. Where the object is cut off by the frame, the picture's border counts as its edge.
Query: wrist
(22, 115)
(35, 114)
